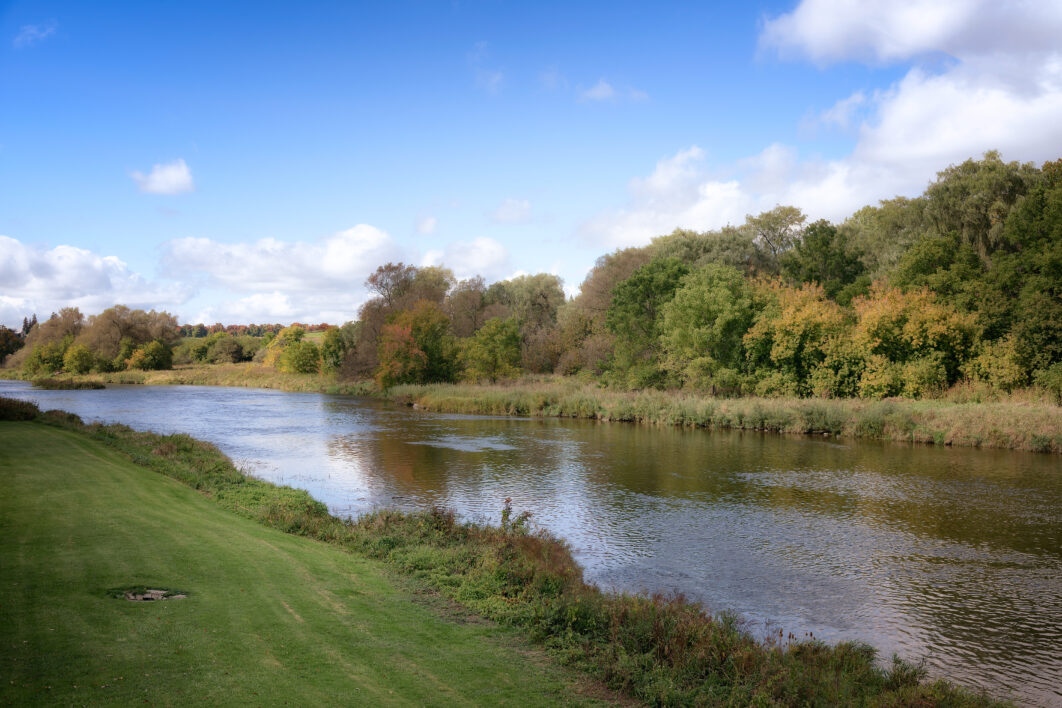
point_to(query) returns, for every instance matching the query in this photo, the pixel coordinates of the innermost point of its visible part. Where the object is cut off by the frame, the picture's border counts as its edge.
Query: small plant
(518, 525)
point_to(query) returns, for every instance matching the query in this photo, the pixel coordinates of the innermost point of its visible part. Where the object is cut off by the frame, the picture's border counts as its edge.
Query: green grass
(1016, 424)
(270, 618)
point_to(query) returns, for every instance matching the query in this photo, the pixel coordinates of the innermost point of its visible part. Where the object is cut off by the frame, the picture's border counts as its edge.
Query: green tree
(78, 359)
(775, 231)
(634, 319)
(972, 200)
(704, 326)
(493, 352)
(300, 357)
(152, 356)
(791, 336)
(822, 255)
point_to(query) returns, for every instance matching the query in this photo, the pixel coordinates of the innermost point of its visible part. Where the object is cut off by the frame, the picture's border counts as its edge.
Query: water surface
(952, 555)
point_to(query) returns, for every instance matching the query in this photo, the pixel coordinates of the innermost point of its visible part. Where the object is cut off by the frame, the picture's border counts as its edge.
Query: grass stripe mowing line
(270, 618)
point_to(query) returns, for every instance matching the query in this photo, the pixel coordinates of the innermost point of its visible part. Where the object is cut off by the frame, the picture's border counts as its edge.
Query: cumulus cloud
(427, 225)
(28, 35)
(1002, 89)
(281, 281)
(339, 263)
(276, 306)
(171, 178)
(42, 280)
(512, 211)
(894, 30)
(482, 256)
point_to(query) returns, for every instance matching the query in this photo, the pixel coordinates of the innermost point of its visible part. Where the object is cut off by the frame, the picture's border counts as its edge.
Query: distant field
(269, 619)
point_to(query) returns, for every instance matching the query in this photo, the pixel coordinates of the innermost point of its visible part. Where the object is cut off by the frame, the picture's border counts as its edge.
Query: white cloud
(1002, 91)
(604, 91)
(842, 113)
(512, 211)
(28, 35)
(269, 280)
(894, 30)
(42, 280)
(427, 225)
(171, 178)
(338, 264)
(482, 256)
(601, 91)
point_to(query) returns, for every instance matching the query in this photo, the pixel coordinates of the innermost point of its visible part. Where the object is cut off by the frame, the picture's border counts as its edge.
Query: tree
(10, 342)
(391, 281)
(729, 246)
(791, 337)
(776, 230)
(534, 301)
(972, 200)
(822, 255)
(300, 357)
(336, 343)
(704, 325)
(465, 306)
(417, 347)
(493, 352)
(154, 355)
(78, 359)
(883, 233)
(634, 319)
(914, 344)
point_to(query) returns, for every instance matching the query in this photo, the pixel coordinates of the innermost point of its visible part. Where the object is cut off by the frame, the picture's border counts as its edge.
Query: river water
(949, 555)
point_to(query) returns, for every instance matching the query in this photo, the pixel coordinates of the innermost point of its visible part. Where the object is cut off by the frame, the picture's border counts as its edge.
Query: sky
(255, 162)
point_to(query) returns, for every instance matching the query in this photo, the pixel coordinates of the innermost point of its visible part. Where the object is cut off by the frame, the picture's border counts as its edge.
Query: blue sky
(255, 163)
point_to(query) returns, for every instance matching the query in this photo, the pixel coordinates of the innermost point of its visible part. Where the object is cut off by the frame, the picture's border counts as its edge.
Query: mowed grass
(270, 618)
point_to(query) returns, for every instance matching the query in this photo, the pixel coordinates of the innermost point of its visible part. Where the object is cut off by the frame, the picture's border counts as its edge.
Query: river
(946, 554)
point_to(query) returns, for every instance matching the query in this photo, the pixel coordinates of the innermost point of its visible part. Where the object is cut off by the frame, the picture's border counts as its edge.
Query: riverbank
(658, 650)
(246, 375)
(268, 619)
(1009, 424)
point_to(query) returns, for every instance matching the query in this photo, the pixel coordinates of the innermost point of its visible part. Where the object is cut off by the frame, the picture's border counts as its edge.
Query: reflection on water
(954, 555)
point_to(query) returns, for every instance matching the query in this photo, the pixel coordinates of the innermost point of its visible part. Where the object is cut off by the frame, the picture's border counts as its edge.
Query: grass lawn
(270, 618)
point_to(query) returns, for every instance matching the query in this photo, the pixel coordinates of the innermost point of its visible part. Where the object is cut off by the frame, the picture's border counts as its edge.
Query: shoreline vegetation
(660, 650)
(1012, 422)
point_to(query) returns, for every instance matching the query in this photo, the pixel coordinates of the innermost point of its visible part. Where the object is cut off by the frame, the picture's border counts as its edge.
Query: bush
(78, 359)
(300, 358)
(14, 409)
(153, 356)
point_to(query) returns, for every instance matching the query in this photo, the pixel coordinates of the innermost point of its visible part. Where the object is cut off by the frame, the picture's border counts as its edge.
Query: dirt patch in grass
(141, 593)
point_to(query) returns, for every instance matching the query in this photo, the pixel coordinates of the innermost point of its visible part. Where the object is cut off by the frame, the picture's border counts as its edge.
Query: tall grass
(1015, 423)
(246, 375)
(661, 650)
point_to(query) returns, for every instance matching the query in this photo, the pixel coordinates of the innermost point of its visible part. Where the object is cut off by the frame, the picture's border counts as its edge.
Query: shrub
(78, 359)
(14, 409)
(152, 356)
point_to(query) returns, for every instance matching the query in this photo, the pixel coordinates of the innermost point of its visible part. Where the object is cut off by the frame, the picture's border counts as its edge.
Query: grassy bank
(1017, 425)
(248, 375)
(269, 618)
(660, 650)
(1032, 424)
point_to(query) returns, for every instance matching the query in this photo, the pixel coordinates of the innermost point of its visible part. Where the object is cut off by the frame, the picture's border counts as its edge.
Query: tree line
(906, 298)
